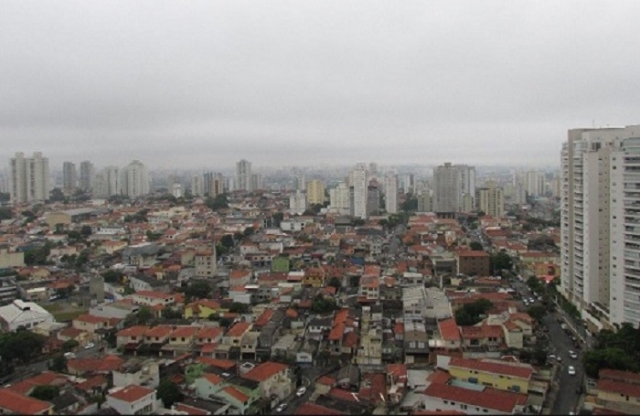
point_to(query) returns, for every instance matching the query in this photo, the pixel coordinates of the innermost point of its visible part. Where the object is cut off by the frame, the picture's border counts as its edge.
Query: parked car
(89, 346)
(69, 355)
(573, 354)
(281, 407)
(572, 370)
(301, 391)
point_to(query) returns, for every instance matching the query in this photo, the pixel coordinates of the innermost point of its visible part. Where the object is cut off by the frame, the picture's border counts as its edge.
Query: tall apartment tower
(213, 184)
(69, 176)
(534, 183)
(135, 180)
(448, 185)
(87, 173)
(373, 198)
(600, 213)
(256, 182)
(297, 202)
(359, 184)
(29, 178)
(197, 185)
(301, 181)
(339, 199)
(315, 192)
(243, 176)
(491, 200)
(391, 193)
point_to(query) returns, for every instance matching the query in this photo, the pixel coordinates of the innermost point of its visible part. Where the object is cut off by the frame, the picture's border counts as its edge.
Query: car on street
(572, 370)
(69, 355)
(281, 407)
(89, 346)
(573, 354)
(559, 359)
(301, 391)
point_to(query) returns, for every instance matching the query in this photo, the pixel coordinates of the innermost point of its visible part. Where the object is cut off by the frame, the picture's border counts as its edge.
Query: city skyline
(293, 84)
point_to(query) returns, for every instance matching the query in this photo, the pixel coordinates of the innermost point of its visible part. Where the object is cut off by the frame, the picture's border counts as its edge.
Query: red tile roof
(133, 331)
(473, 253)
(326, 380)
(619, 387)
(309, 409)
(16, 403)
(47, 378)
(93, 382)
(482, 331)
(344, 395)
(184, 332)
(102, 365)
(216, 362)
(160, 331)
(190, 410)
(264, 317)
(502, 403)
(238, 329)
(212, 378)
(439, 377)
(619, 375)
(449, 330)
(493, 367)
(236, 394)
(210, 332)
(265, 371)
(132, 393)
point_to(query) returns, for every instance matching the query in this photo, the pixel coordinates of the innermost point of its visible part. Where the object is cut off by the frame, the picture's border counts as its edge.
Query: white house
(23, 314)
(133, 400)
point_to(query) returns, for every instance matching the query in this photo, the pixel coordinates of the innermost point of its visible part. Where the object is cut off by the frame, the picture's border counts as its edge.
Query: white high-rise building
(197, 185)
(391, 193)
(214, 184)
(301, 181)
(87, 173)
(135, 180)
(534, 183)
(69, 176)
(358, 178)
(339, 199)
(243, 176)
(256, 182)
(29, 178)
(297, 202)
(600, 215)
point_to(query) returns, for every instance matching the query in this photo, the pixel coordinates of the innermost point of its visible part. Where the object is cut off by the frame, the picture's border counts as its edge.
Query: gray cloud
(282, 82)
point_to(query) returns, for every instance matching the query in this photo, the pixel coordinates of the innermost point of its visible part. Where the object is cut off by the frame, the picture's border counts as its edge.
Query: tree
(21, 346)
(198, 290)
(500, 261)
(357, 222)
(112, 276)
(56, 195)
(323, 304)
(169, 393)
(168, 313)
(537, 312)
(476, 246)
(470, 313)
(86, 231)
(69, 345)
(335, 282)
(249, 231)
(153, 236)
(144, 315)
(59, 364)
(217, 203)
(45, 393)
(237, 307)
(5, 213)
(227, 241)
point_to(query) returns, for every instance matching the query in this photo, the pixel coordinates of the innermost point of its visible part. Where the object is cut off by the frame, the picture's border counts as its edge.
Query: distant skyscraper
(359, 185)
(256, 181)
(315, 192)
(243, 176)
(425, 202)
(454, 188)
(135, 180)
(339, 199)
(29, 178)
(197, 185)
(297, 202)
(534, 183)
(301, 181)
(391, 193)
(408, 183)
(491, 200)
(373, 198)
(214, 184)
(69, 176)
(87, 173)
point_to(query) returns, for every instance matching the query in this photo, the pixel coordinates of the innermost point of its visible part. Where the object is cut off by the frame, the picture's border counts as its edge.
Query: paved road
(567, 396)
(294, 401)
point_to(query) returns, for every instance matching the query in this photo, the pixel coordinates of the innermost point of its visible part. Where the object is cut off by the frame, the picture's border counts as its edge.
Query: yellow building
(202, 309)
(315, 192)
(314, 276)
(494, 374)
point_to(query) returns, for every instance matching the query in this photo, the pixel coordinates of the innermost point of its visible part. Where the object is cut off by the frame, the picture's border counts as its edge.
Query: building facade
(391, 193)
(29, 178)
(135, 180)
(243, 176)
(69, 176)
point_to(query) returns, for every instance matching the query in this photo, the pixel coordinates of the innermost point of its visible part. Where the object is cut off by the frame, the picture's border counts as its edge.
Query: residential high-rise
(534, 183)
(359, 183)
(256, 182)
(213, 184)
(69, 176)
(197, 185)
(491, 200)
(301, 181)
(315, 192)
(29, 178)
(600, 211)
(87, 173)
(135, 180)
(391, 193)
(455, 187)
(243, 176)
(425, 202)
(373, 198)
(297, 202)
(339, 199)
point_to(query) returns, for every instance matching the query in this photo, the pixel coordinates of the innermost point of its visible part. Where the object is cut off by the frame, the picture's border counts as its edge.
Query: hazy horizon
(282, 83)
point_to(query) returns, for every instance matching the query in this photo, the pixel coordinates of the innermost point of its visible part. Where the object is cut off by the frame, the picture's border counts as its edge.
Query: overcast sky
(206, 83)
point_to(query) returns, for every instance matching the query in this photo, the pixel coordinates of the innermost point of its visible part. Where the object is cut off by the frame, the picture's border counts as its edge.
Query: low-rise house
(139, 372)
(497, 374)
(118, 309)
(149, 284)
(472, 402)
(202, 309)
(619, 391)
(273, 379)
(133, 400)
(82, 366)
(181, 340)
(205, 263)
(249, 345)
(235, 333)
(15, 403)
(153, 298)
(482, 336)
(19, 314)
(133, 335)
(450, 334)
(95, 325)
